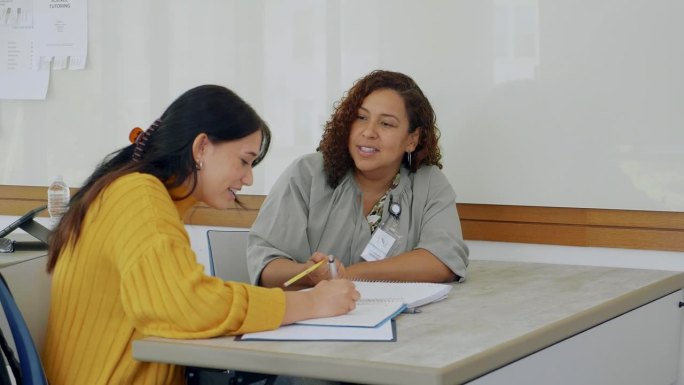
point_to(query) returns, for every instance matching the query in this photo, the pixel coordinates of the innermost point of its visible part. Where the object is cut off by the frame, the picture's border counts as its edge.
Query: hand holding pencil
(329, 296)
(326, 299)
(323, 267)
(303, 273)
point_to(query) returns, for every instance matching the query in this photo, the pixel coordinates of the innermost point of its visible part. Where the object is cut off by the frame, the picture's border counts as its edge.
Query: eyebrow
(385, 115)
(254, 154)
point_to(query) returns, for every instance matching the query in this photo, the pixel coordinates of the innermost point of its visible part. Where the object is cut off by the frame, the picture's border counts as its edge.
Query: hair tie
(135, 133)
(140, 138)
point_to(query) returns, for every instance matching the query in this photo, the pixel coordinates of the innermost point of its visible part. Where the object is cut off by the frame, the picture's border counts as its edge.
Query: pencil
(303, 273)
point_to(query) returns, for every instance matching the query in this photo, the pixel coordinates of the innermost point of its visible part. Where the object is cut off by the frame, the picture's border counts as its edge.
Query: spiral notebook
(381, 301)
(413, 294)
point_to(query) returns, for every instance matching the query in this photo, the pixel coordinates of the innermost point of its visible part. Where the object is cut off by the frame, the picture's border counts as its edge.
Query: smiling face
(379, 136)
(224, 167)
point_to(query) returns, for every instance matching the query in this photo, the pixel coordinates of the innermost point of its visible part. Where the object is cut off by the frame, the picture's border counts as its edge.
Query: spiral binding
(388, 281)
(371, 301)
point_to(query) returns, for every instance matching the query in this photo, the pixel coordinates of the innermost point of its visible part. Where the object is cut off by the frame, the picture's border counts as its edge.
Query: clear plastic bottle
(58, 199)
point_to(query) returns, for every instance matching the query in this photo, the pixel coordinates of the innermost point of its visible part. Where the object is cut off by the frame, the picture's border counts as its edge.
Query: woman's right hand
(326, 299)
(334, 297)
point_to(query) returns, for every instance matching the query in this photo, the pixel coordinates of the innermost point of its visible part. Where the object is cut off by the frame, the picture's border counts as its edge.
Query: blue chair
(29, 360)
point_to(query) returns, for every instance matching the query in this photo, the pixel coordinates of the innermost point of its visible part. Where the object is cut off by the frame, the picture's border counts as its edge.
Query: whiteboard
(542, 103)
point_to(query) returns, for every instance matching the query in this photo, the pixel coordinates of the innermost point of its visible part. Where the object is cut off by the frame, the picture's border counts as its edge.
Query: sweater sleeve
(164, 290)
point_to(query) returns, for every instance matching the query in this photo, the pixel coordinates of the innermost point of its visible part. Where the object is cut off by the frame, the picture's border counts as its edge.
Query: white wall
(551, 103)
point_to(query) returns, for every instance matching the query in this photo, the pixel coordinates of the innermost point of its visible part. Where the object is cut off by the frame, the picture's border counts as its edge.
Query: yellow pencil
(303, 273)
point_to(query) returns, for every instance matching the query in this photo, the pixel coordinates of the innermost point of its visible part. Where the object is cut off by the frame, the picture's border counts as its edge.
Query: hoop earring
(408, 155)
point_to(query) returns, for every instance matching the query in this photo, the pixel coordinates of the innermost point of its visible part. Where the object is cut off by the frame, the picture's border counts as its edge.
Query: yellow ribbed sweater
(133, 274)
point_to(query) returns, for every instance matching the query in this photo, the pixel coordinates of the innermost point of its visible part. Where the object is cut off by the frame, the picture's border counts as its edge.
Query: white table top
(504, 311)
(31, 248)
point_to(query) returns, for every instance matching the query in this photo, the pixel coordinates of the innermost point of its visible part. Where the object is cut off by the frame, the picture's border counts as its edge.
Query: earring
(408, 155)
(198, 166)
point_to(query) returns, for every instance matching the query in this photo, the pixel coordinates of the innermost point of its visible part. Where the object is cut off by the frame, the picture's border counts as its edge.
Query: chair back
(228, 254)
(29, 360)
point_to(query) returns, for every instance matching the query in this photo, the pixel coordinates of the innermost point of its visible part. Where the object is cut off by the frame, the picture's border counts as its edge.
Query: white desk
(30, 249)
(504, 312)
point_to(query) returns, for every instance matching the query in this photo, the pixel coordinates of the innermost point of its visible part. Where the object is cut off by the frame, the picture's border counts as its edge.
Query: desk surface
(33, 249)
(505, 311)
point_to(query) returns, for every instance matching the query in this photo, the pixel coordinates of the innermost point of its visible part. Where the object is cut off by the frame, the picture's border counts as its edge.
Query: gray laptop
(227, 254)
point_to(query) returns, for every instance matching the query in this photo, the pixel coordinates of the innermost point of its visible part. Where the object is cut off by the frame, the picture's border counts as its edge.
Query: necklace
(375, 215)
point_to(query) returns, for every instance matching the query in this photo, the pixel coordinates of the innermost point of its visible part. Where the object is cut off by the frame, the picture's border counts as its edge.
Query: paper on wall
(18, 80)
(17, 13)
(61, 32)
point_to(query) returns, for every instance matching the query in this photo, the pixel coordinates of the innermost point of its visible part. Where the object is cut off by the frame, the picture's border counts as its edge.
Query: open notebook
(386, 331)
(380, 303)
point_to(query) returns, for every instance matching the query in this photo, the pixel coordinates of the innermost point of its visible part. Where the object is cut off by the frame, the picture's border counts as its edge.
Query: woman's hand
(326, 299)
(323, 272)
(334, 297)
(280, 270)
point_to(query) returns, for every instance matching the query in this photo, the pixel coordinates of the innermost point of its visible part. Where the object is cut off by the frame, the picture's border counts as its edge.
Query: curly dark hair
(334, 144)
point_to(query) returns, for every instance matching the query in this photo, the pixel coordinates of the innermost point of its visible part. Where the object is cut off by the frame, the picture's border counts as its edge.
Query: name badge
(379, 246)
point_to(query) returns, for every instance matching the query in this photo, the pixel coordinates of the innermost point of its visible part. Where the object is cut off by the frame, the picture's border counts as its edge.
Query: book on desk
(371, 320)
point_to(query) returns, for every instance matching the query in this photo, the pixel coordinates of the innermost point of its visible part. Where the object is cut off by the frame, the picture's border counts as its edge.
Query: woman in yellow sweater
(121, 258)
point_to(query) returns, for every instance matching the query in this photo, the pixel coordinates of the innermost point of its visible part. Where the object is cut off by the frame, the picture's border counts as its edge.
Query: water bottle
(58, 199)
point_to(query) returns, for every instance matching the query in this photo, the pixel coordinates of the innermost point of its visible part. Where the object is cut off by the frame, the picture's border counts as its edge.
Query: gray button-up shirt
(303, 214)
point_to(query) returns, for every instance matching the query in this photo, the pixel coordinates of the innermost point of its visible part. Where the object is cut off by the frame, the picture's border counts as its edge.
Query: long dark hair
(335, 141)
(214, 110)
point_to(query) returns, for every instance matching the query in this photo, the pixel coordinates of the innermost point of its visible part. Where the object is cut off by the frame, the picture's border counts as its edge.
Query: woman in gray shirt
(373, 196)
